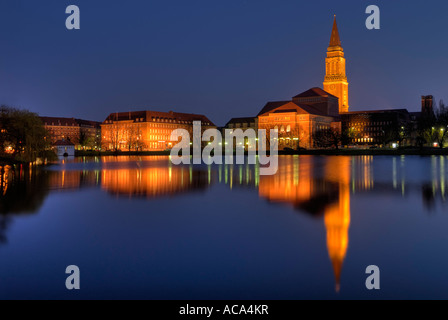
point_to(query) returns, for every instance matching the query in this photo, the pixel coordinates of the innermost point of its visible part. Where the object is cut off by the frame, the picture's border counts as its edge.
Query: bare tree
(326, 138)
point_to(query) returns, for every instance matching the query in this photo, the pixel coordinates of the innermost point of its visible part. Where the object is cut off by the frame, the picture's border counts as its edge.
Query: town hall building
(297, 120)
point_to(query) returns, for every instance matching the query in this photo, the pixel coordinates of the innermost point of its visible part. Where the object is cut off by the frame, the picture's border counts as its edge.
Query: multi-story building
(298, 120)
(376, 127)
(242, 123)
(147, 130)
(84, 134)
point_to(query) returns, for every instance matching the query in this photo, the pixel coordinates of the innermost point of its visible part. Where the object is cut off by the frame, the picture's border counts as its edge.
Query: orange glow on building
(298, 120)
(335, 77)
(146, 130)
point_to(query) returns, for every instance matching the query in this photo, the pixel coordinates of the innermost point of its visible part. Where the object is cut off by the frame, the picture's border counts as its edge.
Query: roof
(335, 41)
(59, 121)
(242, 120)
(377, 111)
(314, 92)
(271, 106)
(63, 143)
(290, 106)
(158, 116)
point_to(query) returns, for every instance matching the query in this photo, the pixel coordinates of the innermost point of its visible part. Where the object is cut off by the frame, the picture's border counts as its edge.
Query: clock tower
(335, 77)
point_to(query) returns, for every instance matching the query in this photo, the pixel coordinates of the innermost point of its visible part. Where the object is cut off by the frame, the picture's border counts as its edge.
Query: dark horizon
(221, 59)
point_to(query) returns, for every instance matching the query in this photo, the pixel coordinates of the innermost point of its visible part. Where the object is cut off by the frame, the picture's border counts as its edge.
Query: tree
(433, 127)
(23, 136)
(327, 138)
(441, 124)
(113, 135)
(349, 135)
(86, 140)
(425, 123)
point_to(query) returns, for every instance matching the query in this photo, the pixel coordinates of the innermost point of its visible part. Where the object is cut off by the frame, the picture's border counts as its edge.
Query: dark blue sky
(220, 58)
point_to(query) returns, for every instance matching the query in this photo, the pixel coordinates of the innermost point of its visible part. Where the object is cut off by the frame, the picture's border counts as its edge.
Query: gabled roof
(271, 106)
(290, 106)
(63, 143)
(241, 120)
(314, 92)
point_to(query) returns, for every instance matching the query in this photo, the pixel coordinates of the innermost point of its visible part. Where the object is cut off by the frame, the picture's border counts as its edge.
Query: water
(141, 228)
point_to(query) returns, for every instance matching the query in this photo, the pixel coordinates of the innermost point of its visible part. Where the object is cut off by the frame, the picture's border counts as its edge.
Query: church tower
(335, 77)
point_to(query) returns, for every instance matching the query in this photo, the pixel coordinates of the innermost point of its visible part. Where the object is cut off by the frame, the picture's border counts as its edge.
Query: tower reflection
(318, 189)
(337, 215)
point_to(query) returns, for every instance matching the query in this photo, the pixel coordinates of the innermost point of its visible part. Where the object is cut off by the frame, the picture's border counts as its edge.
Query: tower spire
(335, 78)
(335, 41)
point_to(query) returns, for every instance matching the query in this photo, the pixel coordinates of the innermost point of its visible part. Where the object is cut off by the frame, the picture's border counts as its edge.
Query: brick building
(296, 121)
(82, 133)
(146, 130)
(376, 127)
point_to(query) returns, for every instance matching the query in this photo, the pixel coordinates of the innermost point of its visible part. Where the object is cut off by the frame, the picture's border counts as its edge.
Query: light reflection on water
(320, 187)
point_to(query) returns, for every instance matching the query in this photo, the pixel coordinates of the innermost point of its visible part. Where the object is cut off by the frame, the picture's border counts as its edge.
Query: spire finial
(335, 41)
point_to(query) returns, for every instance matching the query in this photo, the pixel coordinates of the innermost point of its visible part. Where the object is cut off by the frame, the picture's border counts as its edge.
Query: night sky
(220, 58)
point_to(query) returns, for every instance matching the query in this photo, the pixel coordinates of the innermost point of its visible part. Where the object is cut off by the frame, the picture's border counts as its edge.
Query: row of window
(375, 123)
(282, 128)
(363, 140)
(369, 129)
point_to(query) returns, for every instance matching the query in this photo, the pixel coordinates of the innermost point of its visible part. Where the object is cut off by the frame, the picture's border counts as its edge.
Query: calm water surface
(139, 227)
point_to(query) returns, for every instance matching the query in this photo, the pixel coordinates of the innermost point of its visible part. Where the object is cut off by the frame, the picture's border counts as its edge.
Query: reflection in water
(308, 189)
(22, 191)
(437, 188)
(154, 182)
(337, 215)
(321, 187)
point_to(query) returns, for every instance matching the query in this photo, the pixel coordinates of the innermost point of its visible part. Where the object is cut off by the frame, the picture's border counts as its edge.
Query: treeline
(23, 137)
(432, 127)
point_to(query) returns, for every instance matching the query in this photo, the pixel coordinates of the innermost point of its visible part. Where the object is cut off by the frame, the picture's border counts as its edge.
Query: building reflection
(154, 182)
(317, 190)
(337, 215)
(435, 191)
(321, 187)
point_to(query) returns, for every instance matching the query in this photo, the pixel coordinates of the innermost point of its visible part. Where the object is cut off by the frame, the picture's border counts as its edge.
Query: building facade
(242, 123)
(146, 130)
(64, 148)
(297, 121)
(376, 127)
(84, 134)
(335, 76)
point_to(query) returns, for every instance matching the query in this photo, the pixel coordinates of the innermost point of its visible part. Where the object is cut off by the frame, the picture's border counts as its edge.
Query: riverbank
(323, 152)
(370, 152)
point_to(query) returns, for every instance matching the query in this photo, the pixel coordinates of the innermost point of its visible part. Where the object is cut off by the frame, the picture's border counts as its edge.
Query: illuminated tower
(335, 77)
